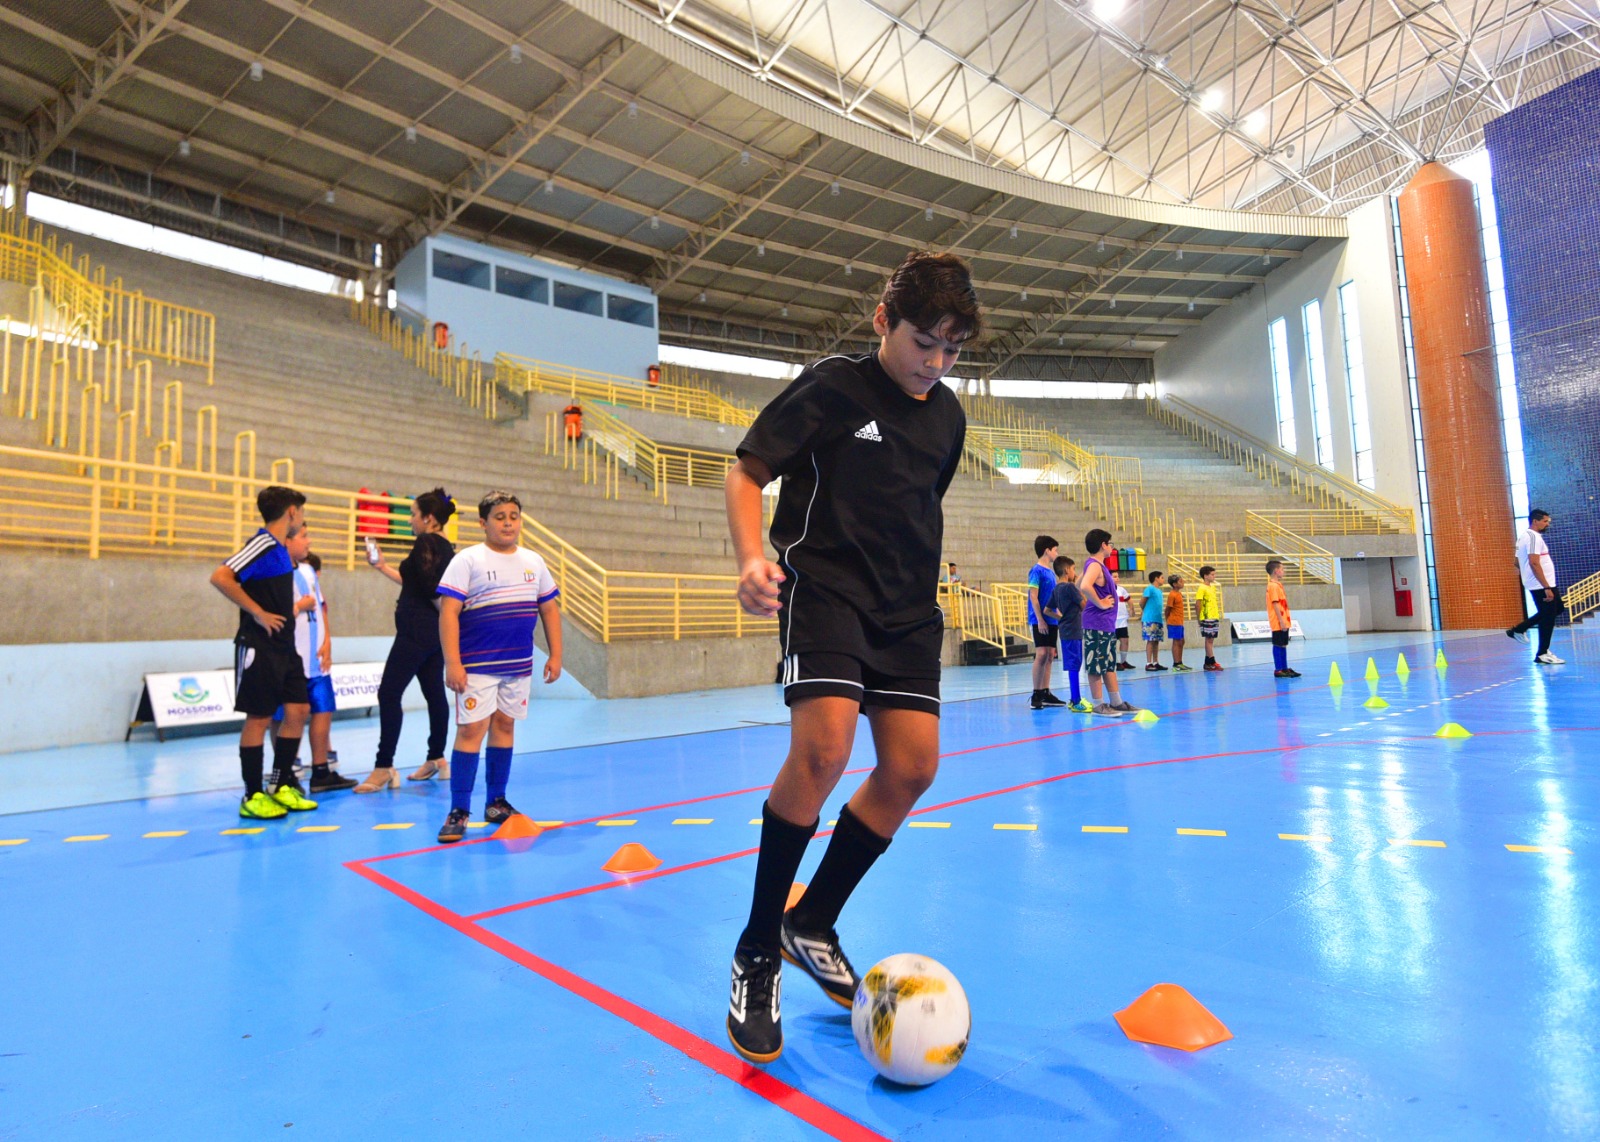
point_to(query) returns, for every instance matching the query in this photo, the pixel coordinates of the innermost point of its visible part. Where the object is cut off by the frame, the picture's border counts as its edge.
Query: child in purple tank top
(1100, 628)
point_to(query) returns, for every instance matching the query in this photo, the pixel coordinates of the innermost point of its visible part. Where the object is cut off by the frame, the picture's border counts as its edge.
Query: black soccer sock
(284, 752)
(851, 852)
(251, 759)
(320, 769)
(783, 844)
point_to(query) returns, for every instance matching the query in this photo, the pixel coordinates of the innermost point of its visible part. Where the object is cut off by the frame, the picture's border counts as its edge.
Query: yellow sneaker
(292, 799)
(261, 807)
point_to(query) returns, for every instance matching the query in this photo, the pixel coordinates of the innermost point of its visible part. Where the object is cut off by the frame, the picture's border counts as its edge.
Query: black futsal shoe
(818, 955)
(331, 782)
(498, 811)
(1036, 702)
(1048, 699)
(755, 1022)
(454, 828)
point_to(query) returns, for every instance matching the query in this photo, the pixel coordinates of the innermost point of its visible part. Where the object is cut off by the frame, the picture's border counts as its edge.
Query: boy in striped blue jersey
(492, 597)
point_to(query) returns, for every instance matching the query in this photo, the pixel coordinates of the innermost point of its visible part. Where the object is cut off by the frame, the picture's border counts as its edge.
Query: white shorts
(486, 693)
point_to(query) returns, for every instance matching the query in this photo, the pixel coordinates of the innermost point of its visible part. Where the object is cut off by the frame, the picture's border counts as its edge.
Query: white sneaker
(1550, 660)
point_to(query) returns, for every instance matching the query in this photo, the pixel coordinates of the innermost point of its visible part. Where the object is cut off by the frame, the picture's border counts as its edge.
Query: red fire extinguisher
(441, 335)
(1402, 593)
(653, 376)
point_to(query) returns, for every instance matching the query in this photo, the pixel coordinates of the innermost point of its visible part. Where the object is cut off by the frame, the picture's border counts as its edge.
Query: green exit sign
(1008, 457)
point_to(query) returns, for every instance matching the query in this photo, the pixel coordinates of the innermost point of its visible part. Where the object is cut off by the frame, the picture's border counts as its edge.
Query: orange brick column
(1461, 430)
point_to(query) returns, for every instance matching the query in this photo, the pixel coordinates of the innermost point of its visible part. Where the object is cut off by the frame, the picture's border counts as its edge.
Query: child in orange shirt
(1174, 620)
(1278, 619)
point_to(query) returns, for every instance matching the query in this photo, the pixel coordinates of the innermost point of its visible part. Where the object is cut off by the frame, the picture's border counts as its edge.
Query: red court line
(724, 1063)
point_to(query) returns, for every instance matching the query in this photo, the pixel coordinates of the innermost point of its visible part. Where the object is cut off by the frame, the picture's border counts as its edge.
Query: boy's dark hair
(1537, 514)
(1176, 582)
(927, 288)
(315, 561)
(1096, 539)
(1273, 565)
(436, 504)
(1206, 570)
(492, 500)
(1154, 575)
(1061, 564)
(1043, 543)
(275, 499)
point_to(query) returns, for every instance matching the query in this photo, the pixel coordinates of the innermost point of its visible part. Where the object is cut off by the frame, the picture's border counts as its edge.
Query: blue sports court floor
(1400, 931)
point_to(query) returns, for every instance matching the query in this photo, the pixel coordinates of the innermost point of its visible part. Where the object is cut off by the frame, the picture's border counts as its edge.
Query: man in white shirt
(1539, 577)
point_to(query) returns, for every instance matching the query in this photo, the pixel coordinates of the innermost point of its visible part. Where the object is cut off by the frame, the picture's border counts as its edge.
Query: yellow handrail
(1317, 485)
(1582, 597)
(451, 365)
(524, 375)
(657, 464)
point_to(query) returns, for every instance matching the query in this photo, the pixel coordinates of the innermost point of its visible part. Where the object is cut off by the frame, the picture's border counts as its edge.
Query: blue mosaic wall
(1546, 160)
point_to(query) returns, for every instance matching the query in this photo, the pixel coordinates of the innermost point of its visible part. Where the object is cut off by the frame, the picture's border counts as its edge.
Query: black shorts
(1280, 638)
(1122, 632)
(820, 674)
(264, 679)
(1047, 639)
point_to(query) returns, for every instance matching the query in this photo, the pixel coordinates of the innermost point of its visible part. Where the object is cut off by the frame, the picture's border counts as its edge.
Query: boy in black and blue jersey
(259, 580)
(867, 447)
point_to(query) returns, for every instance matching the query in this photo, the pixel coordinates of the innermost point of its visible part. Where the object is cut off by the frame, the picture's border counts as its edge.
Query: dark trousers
(413, 655)
(1545, 614)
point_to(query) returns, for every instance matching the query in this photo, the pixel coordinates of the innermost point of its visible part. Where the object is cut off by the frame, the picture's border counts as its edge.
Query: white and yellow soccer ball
(911, 1019)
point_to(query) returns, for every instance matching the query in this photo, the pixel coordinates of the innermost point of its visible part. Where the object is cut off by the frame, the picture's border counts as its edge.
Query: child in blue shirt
(1041, 586)
(1155, 603)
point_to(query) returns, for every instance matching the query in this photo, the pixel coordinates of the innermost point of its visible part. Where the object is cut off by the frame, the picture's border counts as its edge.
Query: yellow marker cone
(1402, 668)
(1146, 716)
(1438, 661)
(1375, 703)
(1452, 730)
(1372, 671)
(1334, 677)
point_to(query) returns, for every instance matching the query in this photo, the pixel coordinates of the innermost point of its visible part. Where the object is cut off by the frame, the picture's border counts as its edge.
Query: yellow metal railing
(116, 506)
(1582, 597)
(1281, 469)
(977, 614)
(658, 465)
(73, 301)
(1329, 521)
(451, 364)
(524, 375)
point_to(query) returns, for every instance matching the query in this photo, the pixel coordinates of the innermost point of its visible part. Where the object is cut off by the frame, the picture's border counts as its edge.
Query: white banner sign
(195, 698)
(355, 684)
(1262, 629)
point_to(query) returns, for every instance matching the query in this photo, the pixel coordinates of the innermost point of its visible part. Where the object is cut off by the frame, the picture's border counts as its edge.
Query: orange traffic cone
(632, 857)
(796, 891)
(517, 828)
(1169, 1016)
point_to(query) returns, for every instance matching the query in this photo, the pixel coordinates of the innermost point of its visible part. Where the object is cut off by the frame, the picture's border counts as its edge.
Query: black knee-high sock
(783, 844)
(251, 759)
(851, 852)
(284, 751)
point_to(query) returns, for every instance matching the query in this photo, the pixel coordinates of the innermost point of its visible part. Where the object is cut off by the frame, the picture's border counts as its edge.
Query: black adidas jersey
(859, 525)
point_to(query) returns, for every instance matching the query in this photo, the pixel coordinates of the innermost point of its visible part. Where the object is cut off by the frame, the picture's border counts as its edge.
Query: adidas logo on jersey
(870, 432)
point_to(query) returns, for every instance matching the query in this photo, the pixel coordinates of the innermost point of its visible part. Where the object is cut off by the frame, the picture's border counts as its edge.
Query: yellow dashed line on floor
(395, 825)
(928, 824)
(1202, 832)
(87, 837)
(169, 833)
(1312, 837)
(549, 824)
(693, 821)
(616, 824)
(318, 829)
(1416, 844)
(1018, 828)
(14, 841)
(755, 820)
(1105, 828)
(1555, 850)
(477, 824)
(250, 832)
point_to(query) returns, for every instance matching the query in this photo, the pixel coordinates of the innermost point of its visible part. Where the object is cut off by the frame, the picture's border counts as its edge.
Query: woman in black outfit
(416, 652)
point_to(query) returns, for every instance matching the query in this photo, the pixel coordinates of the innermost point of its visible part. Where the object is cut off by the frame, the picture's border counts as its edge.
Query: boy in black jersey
(866, 447)
(259, 580)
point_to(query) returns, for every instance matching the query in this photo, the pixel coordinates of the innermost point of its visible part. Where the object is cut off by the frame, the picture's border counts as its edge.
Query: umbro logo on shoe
(870, 432)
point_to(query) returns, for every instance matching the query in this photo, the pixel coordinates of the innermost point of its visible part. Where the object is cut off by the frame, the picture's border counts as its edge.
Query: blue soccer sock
(497, 760)
(463, 776)
(1072, 680)
(1280, 657)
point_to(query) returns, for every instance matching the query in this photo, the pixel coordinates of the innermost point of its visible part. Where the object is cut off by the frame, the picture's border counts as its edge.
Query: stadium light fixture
(183, 147)
(516, 53)
(256, 71)
(1211, 102)
(411, 134)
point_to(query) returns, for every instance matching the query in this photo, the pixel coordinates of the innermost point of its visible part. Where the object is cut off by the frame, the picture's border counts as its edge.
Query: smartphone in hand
(373, 554)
